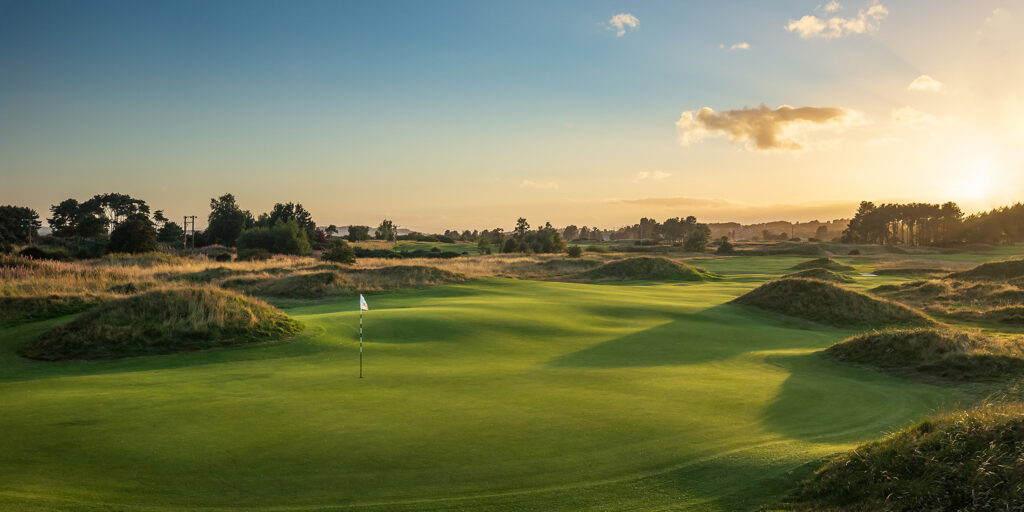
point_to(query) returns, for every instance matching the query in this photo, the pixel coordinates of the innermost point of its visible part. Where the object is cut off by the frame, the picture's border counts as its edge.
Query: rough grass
(825, 263)
(830, 304)
(30, 309)
(822, 274)
(162, 322)
(327, 283)
(992, 271)
(646, 268)
(967, 460)
(939, 352)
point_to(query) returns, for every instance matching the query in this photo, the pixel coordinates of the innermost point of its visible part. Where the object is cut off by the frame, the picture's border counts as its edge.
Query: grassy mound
(30, 309)
(402, 276)
(1006, 315)
(825, 263)
(945, 353)
(300, 286)
(144, 260)
(646, 268)
(162, 322)
(830, 304)
(822, 274)
(993, 271)
(208, 275)
(968, 460)
(316, 285)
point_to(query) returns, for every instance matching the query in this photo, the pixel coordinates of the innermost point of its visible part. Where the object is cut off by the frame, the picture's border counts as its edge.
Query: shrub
(339, 252)
(281, 238)
(39, 253)
(575, 251)
(133, 235)
(725, 247)
(696, 240)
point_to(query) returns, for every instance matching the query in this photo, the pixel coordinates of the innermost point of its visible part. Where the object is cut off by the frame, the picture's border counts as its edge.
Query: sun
(977, 182)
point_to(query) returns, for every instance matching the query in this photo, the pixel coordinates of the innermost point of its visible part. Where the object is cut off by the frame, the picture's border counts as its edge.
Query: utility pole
(185, 241)
(28, 224)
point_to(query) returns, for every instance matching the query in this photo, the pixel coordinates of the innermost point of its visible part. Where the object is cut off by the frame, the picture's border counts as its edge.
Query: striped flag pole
(360, 343)
(362, 307)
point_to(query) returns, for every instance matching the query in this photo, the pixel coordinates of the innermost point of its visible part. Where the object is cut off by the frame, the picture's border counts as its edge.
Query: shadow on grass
(713, 334)
(819, 394)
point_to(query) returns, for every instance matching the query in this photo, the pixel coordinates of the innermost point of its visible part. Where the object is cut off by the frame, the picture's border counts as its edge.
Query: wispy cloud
(828, 26)
(547, 185)
(651, 175)
(740, 46)
(762, 128)
(925, 83)
(913, 118)
(622, 22)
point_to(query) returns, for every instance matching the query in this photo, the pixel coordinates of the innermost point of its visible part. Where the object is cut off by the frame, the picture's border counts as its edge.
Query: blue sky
(468, 114)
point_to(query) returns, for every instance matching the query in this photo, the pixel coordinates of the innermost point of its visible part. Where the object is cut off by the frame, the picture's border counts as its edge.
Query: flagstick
(360, 342)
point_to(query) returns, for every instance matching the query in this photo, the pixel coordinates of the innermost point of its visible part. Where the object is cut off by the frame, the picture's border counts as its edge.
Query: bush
(339, 252)
(598, 248)
(854, 252)
(696, 240)
(253, 254)
(575, 251)
(725, 247)
(38, 253)
(511, 245)
(133, 235)
(281, 238)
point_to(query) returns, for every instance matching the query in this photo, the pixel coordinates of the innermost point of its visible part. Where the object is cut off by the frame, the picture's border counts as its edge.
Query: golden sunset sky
(464, 115)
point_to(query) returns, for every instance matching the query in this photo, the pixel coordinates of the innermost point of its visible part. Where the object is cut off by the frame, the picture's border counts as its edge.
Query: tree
(544, 240)
(386, 231)
(134, 234)
(571, 232)
(170, 233)
(483, 245)
(281, 238)
(821, 233)
(697, 239)
(331, 230)
(575, 251)
(724, 247)
(522, 227)
(71, 218)
(339, 252)
(358, 233)
(115, 207)
(226, 220)
(18, 224)
(158, 216)
(285, 212)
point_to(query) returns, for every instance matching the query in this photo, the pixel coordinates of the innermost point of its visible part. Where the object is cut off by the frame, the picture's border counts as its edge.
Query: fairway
(495, 394)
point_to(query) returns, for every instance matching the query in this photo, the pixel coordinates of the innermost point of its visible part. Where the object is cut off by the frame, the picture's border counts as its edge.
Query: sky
(470, 114)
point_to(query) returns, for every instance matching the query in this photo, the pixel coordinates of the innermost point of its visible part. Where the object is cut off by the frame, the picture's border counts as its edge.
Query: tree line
(928, 224)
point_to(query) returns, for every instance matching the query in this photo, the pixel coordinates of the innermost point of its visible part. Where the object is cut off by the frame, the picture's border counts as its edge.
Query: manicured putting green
(489, 395)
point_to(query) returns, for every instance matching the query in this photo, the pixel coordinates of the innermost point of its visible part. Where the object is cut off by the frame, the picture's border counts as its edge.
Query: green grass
(823, 275)
(493, 394)
(823, 263)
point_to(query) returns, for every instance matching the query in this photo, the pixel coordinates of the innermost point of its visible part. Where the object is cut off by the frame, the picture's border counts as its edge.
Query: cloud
(655, 175)
(622, 22)
(925, 83)
(765, 128)
(716, 210)
(832, 6)
(913, 118)
(548, 185)
(740, 46)
(828, 27)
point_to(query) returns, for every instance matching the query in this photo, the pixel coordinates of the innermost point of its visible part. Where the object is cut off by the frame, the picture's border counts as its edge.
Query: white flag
(362, 303)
